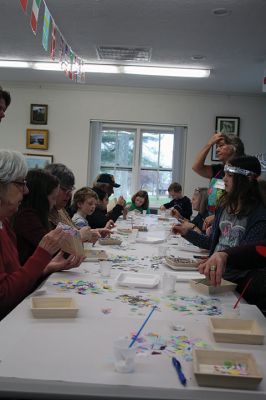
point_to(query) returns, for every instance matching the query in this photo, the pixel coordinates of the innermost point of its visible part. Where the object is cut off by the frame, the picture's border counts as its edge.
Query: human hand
(182, 228)
(53, 241)
(208, 222)
(162, 208)
(95, 235)
(121, 201)
(104, 232)
(175, 213)
(215, 138)
(214, 267)
(110, 224)
(85, 234)
(59, 263)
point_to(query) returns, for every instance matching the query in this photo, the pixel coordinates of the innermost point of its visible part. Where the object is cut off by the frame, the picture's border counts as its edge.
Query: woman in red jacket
(17, 282)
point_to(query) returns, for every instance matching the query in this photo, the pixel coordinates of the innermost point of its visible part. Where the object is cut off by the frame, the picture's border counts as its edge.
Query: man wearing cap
(105, 183)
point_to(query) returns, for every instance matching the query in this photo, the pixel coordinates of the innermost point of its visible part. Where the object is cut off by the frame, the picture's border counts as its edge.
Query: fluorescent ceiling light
(176, 72)
(14, 64)
(113, 69)
(99, 68)
(42, 66)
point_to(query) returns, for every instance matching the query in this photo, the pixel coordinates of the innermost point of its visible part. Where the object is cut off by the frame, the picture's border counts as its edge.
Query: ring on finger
(213, 268)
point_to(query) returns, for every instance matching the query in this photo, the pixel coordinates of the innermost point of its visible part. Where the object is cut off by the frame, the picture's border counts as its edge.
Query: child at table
(139, 202)
(181, 203)
(84, 203)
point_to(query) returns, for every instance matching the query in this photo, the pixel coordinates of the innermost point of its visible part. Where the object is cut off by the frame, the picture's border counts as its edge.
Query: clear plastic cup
(133, 236)
(105, 268)
(125, 357)
(228, 310)
(168, 283)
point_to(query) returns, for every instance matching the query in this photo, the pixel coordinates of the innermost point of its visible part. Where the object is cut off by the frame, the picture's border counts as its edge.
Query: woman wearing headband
(241, 216)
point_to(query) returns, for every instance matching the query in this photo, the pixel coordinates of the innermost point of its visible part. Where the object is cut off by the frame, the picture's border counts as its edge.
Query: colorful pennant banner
(70, 63)
(24, 4)
(46, 26)
(34, 15)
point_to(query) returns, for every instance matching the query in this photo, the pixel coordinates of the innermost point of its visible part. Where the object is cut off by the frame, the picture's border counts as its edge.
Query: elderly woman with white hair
(17, 282)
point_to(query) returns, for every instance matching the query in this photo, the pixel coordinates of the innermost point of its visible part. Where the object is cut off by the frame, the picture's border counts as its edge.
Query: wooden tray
(141, 228)
(208, 363)
(53, 307)
(95, 255)
(236, 331)
(110, 241)
(124, 231)
(181, 263)
(203, 286)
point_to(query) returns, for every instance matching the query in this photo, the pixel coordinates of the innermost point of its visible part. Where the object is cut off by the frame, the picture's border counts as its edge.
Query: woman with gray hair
(17, 282)
(228, 145)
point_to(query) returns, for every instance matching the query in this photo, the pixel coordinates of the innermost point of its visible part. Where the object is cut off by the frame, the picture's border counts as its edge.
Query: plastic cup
(105, 268)
(162, 250)
(133, 236)
(169, 281)
(229, 312)
(125, 357)
(144, 213)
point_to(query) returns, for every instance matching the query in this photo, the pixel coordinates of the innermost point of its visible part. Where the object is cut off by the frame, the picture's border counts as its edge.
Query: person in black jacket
(181, 203)
(100, 217)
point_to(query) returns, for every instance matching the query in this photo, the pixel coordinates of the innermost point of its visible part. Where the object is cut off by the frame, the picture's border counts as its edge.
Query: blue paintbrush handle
(179, 371)
(142, 326)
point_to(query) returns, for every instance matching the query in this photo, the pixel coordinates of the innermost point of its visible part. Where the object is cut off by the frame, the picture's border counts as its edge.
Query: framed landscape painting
(37, 139)
(38, 160)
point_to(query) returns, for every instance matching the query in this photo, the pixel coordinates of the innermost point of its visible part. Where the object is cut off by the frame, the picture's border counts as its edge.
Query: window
(139, 156)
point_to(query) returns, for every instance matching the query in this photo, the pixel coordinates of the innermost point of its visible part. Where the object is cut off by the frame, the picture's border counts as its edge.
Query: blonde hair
(82, 195)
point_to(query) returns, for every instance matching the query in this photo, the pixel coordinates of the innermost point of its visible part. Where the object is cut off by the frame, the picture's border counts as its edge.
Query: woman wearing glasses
(17, 282)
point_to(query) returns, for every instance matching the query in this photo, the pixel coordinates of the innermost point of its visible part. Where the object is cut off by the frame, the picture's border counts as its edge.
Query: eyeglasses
(22, 184)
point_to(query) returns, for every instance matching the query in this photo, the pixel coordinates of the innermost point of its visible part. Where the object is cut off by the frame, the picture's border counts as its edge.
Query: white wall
(70, 109)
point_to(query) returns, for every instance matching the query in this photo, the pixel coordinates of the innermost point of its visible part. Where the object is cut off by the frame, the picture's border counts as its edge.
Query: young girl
(199, 203)
(241, 216)
(140, 202)
(84, 203)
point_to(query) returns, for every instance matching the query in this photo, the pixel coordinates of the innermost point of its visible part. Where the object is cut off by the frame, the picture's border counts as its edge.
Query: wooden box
(95, 255)
(203, 286)
(110, 241)
(53, 307)
(211, 368)
(236, 331)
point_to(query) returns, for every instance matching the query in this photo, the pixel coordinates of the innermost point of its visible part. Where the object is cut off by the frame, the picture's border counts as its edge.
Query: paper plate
(132, 279)
(192, 248)
(149, 239)
(179, 263)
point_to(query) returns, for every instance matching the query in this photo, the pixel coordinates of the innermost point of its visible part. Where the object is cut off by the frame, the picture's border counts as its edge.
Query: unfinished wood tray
(110, 241)
(208, 364)
(95, 255)
(141, 228)
(181, 263)
(204, 286)
(124, 231)
(53, 307)
(229, 330)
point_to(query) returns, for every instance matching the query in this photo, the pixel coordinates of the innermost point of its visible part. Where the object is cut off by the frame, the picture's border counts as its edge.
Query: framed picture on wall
(38, 160)
(38, 114)
(225, 125)
(37, 139)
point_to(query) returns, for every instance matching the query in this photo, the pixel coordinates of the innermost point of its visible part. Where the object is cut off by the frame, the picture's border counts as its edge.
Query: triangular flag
(24, 4)
(53, 41)
(34, 15)
(46, 26)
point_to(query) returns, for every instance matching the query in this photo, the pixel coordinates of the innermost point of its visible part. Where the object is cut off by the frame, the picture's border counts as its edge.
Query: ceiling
(233, 46)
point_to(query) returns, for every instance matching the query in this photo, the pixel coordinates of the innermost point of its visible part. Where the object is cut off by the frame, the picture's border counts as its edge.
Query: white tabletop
(74, 357)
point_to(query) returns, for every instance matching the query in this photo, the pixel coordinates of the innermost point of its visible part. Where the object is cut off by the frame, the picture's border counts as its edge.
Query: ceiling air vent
(124, 53)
